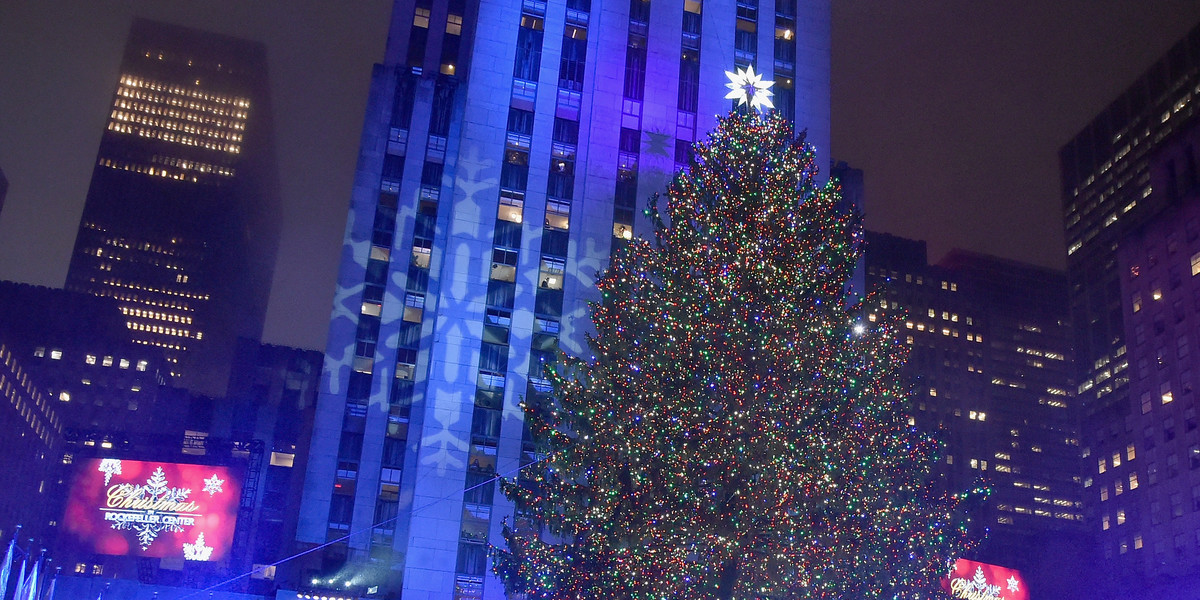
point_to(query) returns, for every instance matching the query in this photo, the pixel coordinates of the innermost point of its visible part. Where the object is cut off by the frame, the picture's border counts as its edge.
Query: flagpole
(6, 571)
(53, 584)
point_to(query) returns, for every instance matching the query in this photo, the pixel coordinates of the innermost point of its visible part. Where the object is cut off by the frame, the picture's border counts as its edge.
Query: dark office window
(574, 53)
(520, 121)
(529, 49)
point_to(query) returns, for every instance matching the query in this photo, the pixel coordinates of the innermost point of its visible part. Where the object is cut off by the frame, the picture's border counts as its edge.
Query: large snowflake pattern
(156, 490)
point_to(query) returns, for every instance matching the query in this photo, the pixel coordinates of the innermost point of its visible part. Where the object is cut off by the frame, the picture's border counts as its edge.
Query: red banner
(165, 510)
(972, 580)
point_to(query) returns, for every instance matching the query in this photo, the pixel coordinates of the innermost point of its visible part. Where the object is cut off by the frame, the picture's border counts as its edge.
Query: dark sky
(955, 110)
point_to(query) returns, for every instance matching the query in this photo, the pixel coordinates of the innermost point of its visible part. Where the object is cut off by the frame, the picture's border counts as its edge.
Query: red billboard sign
(165, 510)
(972, 580)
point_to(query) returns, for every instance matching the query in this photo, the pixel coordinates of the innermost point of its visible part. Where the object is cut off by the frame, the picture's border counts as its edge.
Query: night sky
(954, 110)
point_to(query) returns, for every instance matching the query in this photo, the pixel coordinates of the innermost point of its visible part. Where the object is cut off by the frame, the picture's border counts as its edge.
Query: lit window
(504, 265)
(282, 459)
(1103, 465)
(1196, 264)
(453, 24)
(124, 364)
(141, 365)
(551, 275)
(557, 215)
(1130, 454)
(414, 307)
(421, 18)
(108, 361)
(420, 257)
(55, 354)
(64, 396)
(511, 210)
(1133, 481)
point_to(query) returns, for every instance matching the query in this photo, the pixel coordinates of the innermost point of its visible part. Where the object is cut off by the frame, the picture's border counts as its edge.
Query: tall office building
(1148, 493)
(1107, 192)
(181, 219)
(991, 367)
(508, 148)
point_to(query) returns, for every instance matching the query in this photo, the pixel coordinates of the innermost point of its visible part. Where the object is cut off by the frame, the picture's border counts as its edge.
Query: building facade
(31, 443)
(1148, 491)
(991, 367)
(77, 348)
(181, 219)
(508, 147)
(1108, 192)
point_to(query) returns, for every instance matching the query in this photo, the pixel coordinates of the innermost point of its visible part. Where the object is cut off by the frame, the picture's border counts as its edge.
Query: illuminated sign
(972, 580)
(165, 510)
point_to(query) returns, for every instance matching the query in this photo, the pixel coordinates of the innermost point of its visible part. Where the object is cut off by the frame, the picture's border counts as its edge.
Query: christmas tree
(742, 428)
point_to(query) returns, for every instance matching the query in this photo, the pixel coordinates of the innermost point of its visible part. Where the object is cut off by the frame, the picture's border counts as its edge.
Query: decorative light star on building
(1013, 584)
(749, 88)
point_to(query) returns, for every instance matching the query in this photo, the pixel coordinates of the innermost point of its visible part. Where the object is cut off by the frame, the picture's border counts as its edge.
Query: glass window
(557, 215)
(551, 275)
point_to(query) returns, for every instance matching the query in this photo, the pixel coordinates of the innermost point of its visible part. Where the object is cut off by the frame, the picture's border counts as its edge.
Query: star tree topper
(747, 87)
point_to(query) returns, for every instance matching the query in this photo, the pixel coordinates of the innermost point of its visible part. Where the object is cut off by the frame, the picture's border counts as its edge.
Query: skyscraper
(508, 148)
(991, 367)
(180, 223)
(1107, 193)
(1147, 494)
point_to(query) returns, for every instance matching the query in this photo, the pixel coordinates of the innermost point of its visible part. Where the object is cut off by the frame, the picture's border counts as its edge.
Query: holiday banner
(972, 580)
(165, 510)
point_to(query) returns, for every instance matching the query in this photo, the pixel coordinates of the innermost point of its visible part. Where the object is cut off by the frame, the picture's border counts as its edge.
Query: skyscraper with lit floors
(508, 148)
(181, 220)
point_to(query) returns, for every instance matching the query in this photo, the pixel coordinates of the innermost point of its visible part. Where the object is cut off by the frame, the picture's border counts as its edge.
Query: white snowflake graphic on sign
(1013, 584)
(110, 467)
(980, 586)
(197, 551)
(212, 485)
(156, 490)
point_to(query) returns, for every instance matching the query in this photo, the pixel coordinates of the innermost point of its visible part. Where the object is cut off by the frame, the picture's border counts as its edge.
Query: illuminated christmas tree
(742, 429)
